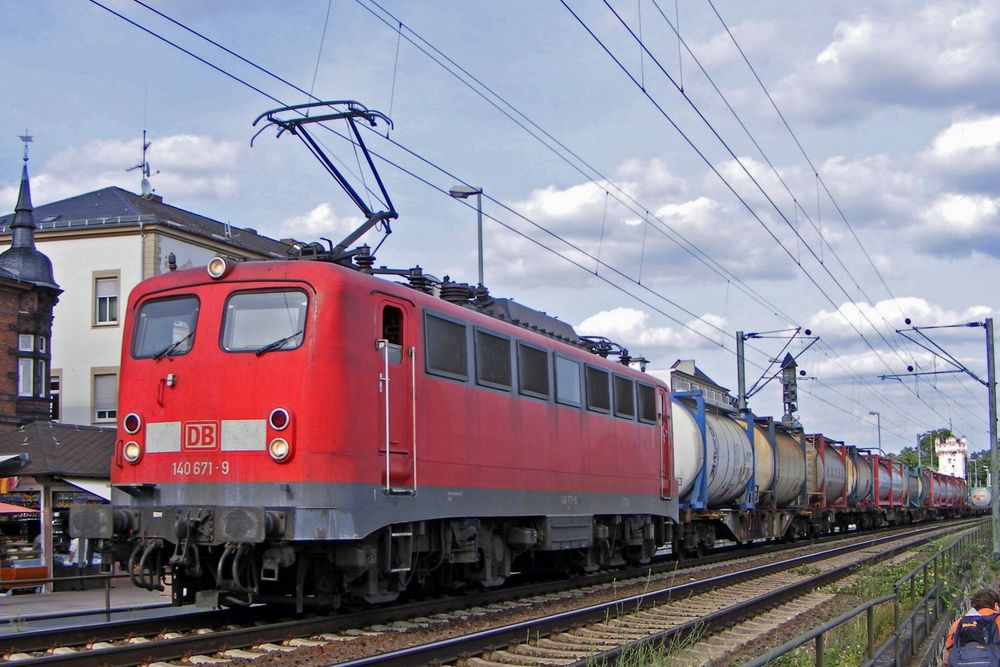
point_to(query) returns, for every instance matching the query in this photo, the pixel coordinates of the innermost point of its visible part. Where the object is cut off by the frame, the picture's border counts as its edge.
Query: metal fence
(929, 579)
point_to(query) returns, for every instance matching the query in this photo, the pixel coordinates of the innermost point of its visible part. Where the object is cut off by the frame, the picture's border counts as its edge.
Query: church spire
(23, 225)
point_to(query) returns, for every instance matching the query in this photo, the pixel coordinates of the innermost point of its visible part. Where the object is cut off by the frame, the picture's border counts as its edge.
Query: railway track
(226, 637)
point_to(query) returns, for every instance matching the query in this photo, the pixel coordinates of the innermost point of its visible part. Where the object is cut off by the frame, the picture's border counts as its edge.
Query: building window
(25, 343)
(105, 397)
(42, 379)
(54, 383)
(106, 300)
(25, 377)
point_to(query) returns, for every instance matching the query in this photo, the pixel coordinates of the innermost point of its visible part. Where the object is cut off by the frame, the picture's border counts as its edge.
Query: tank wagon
(981, 497)
(764, 479)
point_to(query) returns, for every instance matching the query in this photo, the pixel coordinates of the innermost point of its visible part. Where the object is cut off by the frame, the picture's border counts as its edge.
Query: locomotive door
(397, 376)
(668, 485)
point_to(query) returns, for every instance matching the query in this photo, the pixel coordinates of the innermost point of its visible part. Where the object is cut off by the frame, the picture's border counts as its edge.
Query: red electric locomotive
(301, 428)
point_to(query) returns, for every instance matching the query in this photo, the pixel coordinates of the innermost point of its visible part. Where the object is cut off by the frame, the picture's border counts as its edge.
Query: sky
(663, 174)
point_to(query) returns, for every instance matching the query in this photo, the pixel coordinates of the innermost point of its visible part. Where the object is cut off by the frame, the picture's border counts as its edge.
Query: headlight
(132, 451)
(279, 449)
(218, 267)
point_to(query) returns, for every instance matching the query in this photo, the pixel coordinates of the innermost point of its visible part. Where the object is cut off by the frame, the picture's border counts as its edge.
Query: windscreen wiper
(170, 349)
(278, 343)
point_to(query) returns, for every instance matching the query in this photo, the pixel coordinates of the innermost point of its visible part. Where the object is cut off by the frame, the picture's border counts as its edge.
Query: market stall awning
(7, 508)
(98, 487)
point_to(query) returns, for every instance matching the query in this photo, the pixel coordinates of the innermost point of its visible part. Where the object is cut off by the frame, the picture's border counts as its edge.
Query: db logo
(201, 435)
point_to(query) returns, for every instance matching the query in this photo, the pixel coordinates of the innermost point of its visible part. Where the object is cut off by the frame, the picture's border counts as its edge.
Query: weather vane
(27, 139)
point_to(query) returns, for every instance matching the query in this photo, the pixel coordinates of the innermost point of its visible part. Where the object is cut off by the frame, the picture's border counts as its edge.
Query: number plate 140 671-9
(200, 468)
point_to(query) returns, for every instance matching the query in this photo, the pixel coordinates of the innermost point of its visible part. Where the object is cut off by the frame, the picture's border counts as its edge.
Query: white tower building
(952, 456)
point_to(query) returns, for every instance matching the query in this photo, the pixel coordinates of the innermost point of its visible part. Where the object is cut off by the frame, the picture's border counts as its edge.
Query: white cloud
(631, 327)
(960, 224)
(936, 57)
(318, 222)
(188, 166)
(887, 315)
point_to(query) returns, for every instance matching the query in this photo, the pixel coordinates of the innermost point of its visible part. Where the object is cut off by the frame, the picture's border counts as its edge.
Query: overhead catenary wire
(731, 188)
(275, 99)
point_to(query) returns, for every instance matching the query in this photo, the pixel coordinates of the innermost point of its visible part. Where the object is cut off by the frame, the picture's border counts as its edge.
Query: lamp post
(464, 192)
(878, 424)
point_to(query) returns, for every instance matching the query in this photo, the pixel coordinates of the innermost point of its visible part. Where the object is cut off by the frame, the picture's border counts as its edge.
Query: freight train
(310, 432)
(305, 431)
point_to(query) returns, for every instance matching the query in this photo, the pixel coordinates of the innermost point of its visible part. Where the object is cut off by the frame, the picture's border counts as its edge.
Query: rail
(907, 633)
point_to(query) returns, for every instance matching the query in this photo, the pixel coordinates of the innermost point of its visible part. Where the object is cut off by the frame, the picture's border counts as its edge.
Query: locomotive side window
(446, 347)
(165, 327)
(264, 321)
(568, 381)
(598, 393)
(647, 404)
(624, 397)
(533, 371)
(493, 360)
(392, 331)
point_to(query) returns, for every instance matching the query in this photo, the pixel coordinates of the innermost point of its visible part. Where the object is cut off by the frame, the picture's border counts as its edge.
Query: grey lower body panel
(324, 511)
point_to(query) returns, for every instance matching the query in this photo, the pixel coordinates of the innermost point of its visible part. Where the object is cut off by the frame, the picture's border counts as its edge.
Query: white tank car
(730, 460)
(789, 471)
(981, 497)
(777, 470)
(865, 485)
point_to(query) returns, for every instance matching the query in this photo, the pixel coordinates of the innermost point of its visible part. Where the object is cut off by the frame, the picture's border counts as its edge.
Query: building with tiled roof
(101, 245)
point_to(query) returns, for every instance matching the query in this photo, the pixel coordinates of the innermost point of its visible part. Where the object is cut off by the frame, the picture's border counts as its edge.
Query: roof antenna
(147, 189)
(27, 139)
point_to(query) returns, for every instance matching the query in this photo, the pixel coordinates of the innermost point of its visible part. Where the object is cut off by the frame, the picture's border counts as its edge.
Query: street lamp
(878, 422)
(464, 192)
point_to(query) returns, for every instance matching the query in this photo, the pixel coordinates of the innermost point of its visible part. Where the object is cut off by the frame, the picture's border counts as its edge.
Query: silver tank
(981, 497)
(914, 486)
(730, 458)
(839, 475)
(789, 471)
(942, 494)
(865, 486)
(887, 486)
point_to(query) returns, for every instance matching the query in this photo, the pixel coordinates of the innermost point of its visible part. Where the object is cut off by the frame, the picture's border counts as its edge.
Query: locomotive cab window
(568, 381)
(647, 404)
(446, 352)
(532, 371)
(392, 332)
(262, 322)
(492, 360)
(598, 393)
(624, 397)
(165, 327)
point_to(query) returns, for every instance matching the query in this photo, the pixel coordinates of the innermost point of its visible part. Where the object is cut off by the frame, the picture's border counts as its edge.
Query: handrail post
(107, 599)
(895, 621)
(820, 649)
(870, 614)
